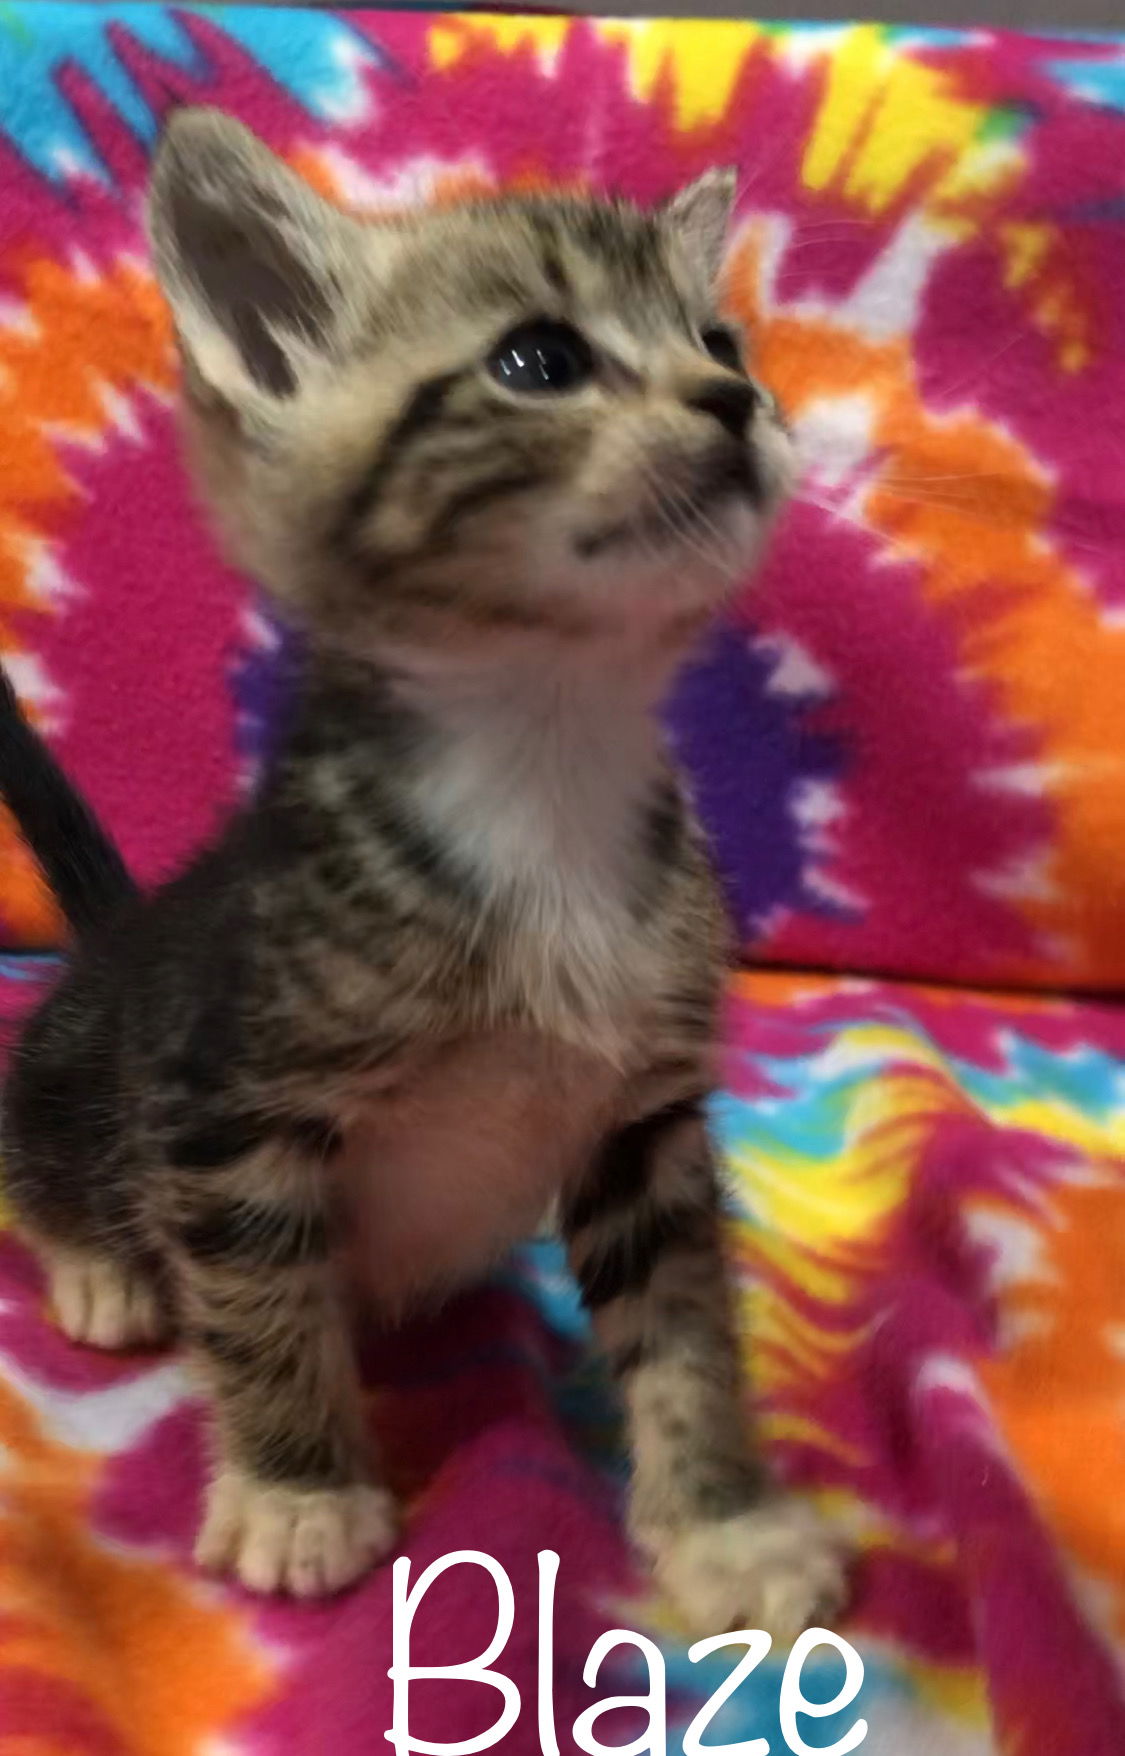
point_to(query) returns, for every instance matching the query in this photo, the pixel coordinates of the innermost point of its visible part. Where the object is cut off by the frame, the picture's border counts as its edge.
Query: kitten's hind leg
(71, 1179)
(103, 1301)
(294, 1506)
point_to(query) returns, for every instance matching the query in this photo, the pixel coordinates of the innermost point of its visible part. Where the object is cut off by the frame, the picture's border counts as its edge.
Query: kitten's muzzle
(729, 471)
(687, 490)
(731, 401)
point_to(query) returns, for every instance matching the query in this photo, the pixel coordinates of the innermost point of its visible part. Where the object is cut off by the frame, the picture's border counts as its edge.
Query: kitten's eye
(723, 348)
(542, 358)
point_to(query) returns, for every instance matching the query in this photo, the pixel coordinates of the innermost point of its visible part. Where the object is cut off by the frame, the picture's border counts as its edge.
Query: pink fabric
(928, 1195)
(907, 743)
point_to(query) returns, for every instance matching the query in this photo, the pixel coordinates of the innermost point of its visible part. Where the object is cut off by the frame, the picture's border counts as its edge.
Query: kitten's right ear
(252, 261)
(699, 218)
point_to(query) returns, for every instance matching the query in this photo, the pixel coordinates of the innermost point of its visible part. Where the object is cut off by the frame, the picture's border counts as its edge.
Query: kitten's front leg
(293, 1505)
(645, 1240)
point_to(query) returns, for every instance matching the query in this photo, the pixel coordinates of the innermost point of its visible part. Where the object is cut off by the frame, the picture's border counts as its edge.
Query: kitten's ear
(699, 217)
(250, 258)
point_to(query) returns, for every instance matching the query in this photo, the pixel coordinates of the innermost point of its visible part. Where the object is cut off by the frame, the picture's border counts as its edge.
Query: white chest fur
(542, 772)
(537, 772)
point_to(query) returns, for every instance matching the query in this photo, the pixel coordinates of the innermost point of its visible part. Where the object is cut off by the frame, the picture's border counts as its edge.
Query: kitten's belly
(465, 1159)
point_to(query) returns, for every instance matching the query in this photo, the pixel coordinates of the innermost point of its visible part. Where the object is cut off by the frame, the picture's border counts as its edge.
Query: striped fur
(460, 957)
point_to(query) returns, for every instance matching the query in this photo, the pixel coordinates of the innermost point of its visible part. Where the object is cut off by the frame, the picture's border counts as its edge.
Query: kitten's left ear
(699, 217)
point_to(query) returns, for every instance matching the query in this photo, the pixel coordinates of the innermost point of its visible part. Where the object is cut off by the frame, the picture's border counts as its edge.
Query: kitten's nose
(730, 400)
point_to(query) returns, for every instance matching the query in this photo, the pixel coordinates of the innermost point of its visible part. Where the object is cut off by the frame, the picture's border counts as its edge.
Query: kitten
(462, 956)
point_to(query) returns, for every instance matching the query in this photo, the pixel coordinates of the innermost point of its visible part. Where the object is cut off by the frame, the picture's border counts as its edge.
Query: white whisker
(979, 371)
(896, 548)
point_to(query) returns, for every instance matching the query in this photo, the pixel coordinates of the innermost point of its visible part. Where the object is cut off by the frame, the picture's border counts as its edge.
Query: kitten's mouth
(682, 511)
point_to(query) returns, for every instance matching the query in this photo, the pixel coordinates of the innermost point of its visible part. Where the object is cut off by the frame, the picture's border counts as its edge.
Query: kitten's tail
(81, 865)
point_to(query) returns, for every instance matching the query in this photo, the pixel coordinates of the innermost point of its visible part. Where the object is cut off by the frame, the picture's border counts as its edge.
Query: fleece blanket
(928, 1193)
(909, 742)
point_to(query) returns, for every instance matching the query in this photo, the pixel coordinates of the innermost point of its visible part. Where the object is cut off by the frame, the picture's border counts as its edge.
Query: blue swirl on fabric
(315, 56)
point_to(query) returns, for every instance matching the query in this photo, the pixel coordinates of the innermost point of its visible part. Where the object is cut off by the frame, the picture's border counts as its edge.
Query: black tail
(83, 868)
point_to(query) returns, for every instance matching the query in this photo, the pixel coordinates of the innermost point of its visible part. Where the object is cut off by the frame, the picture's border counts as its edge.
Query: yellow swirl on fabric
(825, 1208)
(451, 37)
(885, 117)
(822, 1221)
(701, 59)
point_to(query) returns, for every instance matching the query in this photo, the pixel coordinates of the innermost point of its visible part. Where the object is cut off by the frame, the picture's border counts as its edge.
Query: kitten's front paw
(308, 1542)
(777, 1566)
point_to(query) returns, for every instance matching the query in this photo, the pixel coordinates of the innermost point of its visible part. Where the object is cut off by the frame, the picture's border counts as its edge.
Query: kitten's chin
(687, 576)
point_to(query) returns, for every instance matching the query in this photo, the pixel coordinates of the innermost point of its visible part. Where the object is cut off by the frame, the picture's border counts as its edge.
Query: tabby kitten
(462, 955)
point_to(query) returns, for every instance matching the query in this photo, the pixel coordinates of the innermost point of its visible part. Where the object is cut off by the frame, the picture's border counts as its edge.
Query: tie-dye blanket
(908, 744)
(930, 1198)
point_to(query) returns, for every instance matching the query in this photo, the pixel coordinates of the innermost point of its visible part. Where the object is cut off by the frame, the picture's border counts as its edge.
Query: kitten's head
(519, 413)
